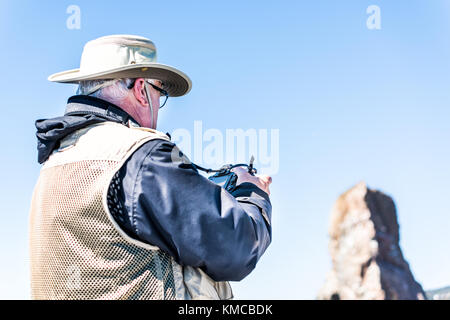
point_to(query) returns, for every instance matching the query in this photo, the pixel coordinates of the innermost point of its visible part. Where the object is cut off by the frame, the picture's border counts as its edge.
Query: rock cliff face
(364, 246)
(439, 294)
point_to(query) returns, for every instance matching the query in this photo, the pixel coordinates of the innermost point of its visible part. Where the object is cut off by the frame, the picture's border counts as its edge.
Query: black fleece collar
(81, 111)
(86, 105)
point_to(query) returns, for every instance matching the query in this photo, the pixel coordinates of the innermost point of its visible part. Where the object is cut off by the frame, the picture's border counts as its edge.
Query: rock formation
(439, 294)
(364, 245)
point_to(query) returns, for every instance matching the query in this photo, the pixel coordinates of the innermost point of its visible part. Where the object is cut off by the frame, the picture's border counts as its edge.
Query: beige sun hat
(124, 56)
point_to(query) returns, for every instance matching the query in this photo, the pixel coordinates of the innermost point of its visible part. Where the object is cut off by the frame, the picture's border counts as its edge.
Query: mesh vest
(77, 250)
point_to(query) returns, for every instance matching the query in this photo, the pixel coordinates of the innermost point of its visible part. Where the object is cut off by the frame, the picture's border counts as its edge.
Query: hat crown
(124, 56)
(116, 51)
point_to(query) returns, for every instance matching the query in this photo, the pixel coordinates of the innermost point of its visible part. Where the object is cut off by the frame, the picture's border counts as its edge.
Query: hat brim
(176, 83)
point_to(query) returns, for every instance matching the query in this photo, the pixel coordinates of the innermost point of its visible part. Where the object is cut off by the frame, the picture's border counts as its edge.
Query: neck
(132, 108)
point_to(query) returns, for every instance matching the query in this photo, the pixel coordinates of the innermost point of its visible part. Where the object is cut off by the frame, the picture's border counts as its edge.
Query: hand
(261, 181)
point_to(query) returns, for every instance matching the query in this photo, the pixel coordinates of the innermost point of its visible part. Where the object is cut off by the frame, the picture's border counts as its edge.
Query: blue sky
(350, 104)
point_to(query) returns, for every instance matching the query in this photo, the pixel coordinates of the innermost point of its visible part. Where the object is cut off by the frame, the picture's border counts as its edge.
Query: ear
(139, 92)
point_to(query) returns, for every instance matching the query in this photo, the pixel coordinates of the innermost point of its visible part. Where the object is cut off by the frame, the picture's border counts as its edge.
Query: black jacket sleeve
(170, 205)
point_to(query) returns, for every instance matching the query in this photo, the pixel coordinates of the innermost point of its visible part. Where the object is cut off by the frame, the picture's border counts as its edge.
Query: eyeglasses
(162, 92)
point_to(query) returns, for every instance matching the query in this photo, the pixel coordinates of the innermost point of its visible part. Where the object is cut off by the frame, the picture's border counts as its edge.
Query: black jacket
(170, 205)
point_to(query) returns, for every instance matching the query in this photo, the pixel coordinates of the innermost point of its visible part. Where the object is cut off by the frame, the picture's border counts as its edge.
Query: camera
(227, 179)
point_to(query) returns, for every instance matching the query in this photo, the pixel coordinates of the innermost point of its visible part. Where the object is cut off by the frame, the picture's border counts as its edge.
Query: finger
(238, 170)
(266, 179)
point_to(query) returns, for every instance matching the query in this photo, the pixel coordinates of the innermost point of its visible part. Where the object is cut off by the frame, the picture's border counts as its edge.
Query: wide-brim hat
(124, 56)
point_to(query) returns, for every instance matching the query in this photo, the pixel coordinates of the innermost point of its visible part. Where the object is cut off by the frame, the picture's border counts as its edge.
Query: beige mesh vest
(77, 250)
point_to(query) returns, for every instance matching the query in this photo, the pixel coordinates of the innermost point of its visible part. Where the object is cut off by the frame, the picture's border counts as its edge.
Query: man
(118, 211)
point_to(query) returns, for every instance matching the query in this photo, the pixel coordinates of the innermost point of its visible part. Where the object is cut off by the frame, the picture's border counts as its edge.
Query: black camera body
(226, 178)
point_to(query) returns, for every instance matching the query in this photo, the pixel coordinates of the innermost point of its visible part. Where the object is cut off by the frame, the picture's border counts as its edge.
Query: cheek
(155, 101)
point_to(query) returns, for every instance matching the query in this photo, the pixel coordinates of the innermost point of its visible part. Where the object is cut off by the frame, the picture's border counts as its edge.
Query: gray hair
(114, 91)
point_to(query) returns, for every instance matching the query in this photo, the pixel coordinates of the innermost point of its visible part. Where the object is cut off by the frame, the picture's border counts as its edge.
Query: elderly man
(118, 212)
